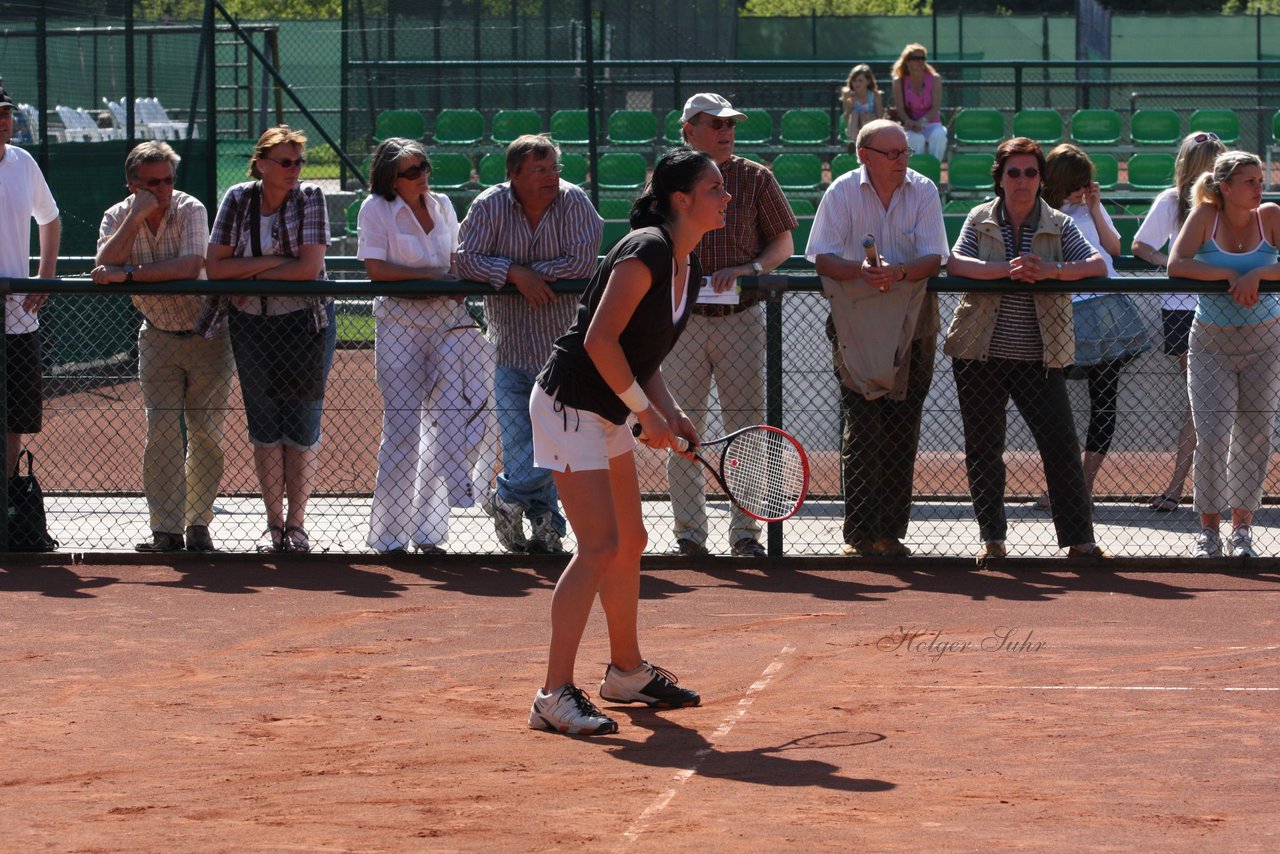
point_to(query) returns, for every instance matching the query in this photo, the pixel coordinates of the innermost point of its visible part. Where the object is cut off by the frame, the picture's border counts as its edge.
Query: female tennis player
(604, 368)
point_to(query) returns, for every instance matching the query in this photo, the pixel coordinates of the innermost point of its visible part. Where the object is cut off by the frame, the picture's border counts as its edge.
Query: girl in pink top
(917, 92)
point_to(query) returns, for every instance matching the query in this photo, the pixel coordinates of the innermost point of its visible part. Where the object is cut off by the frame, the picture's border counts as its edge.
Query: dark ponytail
(677, 171)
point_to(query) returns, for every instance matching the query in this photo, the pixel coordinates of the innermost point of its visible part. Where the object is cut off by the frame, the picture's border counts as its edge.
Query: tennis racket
(763, 470)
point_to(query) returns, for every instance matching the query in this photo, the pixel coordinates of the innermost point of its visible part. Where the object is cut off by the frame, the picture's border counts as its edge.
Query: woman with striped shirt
(1017, 345)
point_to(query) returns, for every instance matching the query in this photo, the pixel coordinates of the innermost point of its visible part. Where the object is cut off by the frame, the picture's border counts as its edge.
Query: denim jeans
(520, 483)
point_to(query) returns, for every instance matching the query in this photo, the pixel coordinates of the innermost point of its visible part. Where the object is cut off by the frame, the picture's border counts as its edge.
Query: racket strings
(766, 473)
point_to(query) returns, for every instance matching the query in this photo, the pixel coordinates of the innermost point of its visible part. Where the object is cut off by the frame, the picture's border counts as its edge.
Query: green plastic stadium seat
(573, 168)
(978, 127)
(1095, 127)
(1151, 171)
(621, 171)
(614, 230)
(953, 222)
(410, 124)
(1128, 228)
(459, 127)
(509, 124)
(492, 169)
(1225, 123)
(1044, 126)
(450, 171)
(970, 172)
(615, 208)
(353, 214)
(673, 128)
(1106, 169)
(957, 206)
(632, 127)
(755, 129)
(753, 156)
(800, 236)
(798, 171)
(570, 127)
(843, 163)
(928, 166)
(803, 207)
(805, 127)
(1155, 127)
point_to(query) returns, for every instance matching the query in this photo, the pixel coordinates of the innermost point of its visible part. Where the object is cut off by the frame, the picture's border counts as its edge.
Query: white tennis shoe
(647, 684)
(569, 711)
(1242, 542)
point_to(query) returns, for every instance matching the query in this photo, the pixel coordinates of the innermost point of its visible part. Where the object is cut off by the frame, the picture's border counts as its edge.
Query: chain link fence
(90, 455)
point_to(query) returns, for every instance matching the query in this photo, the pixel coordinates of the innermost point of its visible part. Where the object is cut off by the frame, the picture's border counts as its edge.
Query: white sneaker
(570, 712)
(647, 684)
(1242, 542)
(1208, 544)
(545, 540)
(508, 523)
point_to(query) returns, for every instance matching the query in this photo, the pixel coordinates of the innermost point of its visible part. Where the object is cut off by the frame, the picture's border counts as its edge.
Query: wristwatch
(128, 272)
(1059, 269)
(758, 268)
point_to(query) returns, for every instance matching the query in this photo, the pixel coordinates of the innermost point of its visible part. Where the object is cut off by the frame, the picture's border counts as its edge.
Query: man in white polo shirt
(24, 195)
(883, 328)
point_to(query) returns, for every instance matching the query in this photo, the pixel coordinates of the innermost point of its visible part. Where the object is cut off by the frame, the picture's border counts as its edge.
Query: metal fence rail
(88, 456)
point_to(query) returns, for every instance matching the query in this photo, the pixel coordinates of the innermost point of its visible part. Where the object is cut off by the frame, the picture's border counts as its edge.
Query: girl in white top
(433, 366)
(1108, 330)
(1160, 227)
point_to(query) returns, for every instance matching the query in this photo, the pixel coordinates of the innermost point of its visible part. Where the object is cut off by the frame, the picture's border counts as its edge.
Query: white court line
(660, 803)
(1065, 688)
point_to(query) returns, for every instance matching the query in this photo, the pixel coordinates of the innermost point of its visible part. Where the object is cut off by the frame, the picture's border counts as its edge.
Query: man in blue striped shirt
(528, 232)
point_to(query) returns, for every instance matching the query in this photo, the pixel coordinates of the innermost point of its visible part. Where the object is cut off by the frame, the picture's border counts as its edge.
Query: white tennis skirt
(570, 439)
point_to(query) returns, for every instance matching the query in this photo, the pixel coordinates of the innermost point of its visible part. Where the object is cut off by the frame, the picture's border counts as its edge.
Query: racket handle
(684, 445)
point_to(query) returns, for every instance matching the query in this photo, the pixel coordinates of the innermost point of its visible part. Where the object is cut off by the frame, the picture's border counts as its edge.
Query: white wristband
(635, 398)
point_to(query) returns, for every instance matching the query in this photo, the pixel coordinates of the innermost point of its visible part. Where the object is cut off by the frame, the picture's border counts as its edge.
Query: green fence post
(773, 376)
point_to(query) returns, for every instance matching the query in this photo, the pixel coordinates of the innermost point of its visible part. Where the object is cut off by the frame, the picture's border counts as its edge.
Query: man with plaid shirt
(725, 342)
(160, 234)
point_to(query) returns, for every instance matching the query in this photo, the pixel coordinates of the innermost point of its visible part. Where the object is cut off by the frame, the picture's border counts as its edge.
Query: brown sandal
(296, 539)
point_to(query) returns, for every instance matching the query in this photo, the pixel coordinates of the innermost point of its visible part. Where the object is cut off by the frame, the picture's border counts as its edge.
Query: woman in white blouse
(426, 350)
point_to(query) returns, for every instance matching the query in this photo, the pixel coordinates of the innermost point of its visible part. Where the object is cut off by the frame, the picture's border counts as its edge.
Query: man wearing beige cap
(725, 339)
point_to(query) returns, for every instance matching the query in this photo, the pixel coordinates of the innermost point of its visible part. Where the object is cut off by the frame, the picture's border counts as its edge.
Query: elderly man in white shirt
(435, 369)
(883, 327)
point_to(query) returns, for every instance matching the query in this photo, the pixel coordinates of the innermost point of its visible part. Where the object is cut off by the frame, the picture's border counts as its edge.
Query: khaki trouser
(183, 377)
(731, 349)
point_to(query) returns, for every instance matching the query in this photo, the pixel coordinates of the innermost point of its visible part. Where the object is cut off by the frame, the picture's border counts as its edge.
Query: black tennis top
(571, 377)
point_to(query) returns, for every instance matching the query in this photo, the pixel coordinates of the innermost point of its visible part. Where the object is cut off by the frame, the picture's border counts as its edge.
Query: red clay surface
(324, 706)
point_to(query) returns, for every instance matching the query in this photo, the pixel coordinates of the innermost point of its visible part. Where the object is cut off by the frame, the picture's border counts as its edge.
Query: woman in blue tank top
(1233, 373)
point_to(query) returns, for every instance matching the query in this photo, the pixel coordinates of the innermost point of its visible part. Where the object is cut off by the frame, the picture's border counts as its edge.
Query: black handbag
(28, 531)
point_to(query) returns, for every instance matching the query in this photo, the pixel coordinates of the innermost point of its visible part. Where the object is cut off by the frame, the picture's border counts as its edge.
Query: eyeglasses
(1029, 172)
(152, 183)
(1205, 137)
(721, 124)
(898, 154)
(916, 57)
(415, 171)
(543, 171)
(286, 163)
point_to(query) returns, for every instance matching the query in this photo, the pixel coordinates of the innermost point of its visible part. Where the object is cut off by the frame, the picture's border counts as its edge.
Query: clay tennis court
(342, 704)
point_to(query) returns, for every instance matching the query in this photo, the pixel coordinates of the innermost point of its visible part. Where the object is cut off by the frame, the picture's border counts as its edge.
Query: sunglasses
(414, 172)
(916, 56)
(1015, 172)
(1205, 137)
(897, 154)
(720, 124)
(287, 163)
(155, 182)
